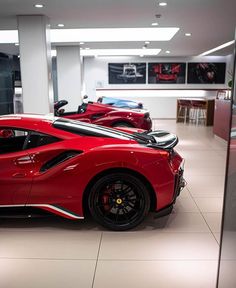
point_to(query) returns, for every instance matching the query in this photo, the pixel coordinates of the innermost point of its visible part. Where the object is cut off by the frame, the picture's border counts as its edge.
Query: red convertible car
(106, 115)
(66, 166)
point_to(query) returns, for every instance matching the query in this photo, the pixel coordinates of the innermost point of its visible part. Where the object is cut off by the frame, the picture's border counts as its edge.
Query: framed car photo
(127, 73)
(166, 73)
(206, 73)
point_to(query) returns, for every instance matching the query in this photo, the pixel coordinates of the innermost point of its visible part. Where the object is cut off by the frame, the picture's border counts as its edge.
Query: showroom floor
(179, 250)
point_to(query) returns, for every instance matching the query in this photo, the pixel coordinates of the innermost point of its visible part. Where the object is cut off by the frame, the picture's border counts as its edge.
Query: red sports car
(66, 166)
(106, 115)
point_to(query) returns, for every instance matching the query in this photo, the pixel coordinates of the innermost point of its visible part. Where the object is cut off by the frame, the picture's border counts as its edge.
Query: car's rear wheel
(119, 201)
(122, 124)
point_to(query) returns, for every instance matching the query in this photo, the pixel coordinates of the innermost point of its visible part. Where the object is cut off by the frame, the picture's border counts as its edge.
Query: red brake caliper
(105, 199)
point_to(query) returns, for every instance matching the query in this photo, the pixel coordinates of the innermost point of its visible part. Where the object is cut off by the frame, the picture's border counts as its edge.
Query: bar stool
(183, 109)
(197, 111)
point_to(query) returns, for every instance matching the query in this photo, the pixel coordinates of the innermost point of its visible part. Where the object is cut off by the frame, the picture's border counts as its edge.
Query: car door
(15, 167)
(47, 153)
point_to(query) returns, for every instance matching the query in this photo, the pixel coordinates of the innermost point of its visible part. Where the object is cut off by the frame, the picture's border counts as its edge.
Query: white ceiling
(211, 22)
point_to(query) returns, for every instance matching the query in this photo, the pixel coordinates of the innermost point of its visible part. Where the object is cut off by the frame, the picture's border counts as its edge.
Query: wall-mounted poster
(206, 73)
(166, 73)
(127, 73)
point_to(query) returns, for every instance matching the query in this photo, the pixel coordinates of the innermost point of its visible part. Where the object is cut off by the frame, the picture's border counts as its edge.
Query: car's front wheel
(119, 201)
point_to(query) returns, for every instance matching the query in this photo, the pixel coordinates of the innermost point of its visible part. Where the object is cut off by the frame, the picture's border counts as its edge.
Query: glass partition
(227, 259)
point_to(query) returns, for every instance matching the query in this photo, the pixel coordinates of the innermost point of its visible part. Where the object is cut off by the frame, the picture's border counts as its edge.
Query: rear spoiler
(163, 140)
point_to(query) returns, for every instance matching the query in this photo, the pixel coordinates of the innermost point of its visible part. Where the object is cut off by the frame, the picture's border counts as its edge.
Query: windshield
(85, 129)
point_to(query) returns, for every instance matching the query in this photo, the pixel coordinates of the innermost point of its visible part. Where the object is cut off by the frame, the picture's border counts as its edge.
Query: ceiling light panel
(119, 52)
(112, 34)
(115, 52)
(8, 36)
(99, 35)
(218, 48)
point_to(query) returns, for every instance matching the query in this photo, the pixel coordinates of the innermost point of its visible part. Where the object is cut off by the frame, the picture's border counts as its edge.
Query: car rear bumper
(180, 183)
(147, 124)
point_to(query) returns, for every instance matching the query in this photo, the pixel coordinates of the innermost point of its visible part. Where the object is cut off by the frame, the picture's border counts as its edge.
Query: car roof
(33, 117)
(35, 122)
(44, 124)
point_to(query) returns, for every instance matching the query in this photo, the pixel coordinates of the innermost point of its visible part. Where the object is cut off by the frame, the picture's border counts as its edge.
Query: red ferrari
(106, 115)
(66, 166)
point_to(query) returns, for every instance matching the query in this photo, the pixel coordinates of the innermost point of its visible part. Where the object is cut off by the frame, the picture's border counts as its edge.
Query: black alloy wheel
(119, 201)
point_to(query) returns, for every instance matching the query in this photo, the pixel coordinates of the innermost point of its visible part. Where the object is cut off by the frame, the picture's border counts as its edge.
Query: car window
(15, 140)
(36, 139)
(12, 140)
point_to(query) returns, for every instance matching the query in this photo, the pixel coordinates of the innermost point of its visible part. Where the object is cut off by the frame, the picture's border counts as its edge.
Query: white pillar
(36, 67)
(69, 76)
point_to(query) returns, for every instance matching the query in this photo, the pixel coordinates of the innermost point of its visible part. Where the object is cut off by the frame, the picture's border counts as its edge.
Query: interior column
(69, 76)
(35, 60)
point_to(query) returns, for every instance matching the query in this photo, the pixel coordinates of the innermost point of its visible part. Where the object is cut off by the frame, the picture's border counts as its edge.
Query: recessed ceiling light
(38, 5)
(218, 48)
(60, 25)
(147, 42)
(167, 52)
(81, 43)
(154, 24)
(188, 34)
(16, 44)
(162, 4)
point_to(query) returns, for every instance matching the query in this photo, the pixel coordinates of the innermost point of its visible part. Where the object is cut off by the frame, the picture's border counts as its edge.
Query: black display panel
(166, 73)
(127, 73)
(206, 73)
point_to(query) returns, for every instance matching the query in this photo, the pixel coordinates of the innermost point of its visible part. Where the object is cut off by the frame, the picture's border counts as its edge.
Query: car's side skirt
(51, 208)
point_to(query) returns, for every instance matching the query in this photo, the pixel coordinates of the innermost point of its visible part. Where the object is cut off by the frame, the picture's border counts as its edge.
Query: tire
(122, 124)
(119, 201)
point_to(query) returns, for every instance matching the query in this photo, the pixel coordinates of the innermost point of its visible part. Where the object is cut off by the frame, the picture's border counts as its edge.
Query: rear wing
(163, 140)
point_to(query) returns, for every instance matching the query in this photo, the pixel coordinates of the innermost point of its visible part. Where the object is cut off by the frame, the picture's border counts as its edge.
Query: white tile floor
(179, 250)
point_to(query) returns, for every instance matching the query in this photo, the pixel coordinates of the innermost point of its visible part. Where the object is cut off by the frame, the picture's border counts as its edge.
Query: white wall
(161, 103)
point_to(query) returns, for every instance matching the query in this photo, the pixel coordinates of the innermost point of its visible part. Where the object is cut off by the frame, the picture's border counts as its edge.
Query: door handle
(23, 160)
(19, 175)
